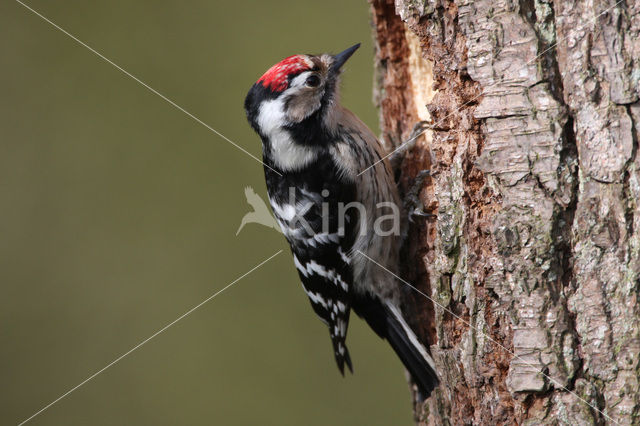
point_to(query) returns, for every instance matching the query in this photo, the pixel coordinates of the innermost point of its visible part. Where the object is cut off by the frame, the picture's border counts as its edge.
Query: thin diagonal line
(491, 339)
(440, 122)
(148, 339)
(145, 85)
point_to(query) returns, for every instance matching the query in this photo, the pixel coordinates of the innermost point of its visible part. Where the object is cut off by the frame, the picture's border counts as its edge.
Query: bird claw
(420, 127)
(419, 212)
(413, 202)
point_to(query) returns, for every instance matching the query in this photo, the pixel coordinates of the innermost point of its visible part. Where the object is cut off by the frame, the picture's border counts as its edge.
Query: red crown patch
(276, 77)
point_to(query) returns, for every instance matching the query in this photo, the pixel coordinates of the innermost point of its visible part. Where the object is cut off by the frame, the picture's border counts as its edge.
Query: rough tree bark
(534, 249)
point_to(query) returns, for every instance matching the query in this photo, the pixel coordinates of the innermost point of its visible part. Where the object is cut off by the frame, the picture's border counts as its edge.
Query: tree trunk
(532, 257)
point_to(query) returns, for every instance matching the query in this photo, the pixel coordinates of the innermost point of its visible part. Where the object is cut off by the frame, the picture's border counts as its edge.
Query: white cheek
(287, 154)
(272, 116)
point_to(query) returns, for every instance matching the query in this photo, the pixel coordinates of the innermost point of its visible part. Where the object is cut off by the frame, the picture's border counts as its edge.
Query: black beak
(341, 58)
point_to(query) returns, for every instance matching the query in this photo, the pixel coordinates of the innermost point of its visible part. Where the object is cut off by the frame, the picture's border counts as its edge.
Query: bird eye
(313, 80)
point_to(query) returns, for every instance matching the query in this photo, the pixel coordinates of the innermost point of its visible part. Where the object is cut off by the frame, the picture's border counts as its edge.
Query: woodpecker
(313, 152)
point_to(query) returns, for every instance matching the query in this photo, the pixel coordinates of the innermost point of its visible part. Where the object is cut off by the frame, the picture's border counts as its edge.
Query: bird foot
(418, 129)
(413, 204)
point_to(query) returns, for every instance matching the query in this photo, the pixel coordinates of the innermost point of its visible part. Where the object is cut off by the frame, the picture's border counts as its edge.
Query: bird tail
(410, 351)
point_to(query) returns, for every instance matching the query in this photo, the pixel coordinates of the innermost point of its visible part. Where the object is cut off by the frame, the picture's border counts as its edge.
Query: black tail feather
(387, 321)
(412, 354)
(342, 358)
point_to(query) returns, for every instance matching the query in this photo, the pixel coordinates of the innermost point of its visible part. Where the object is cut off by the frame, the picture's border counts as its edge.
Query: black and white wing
(321, 250)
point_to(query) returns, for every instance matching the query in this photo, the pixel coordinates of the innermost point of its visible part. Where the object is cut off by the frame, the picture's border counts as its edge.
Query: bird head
(295, 89)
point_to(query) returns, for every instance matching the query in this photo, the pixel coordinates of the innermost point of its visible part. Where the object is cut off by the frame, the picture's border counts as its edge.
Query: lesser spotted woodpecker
(332, 216)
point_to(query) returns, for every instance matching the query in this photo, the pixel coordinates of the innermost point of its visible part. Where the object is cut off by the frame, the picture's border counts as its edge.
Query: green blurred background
(118, 213)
